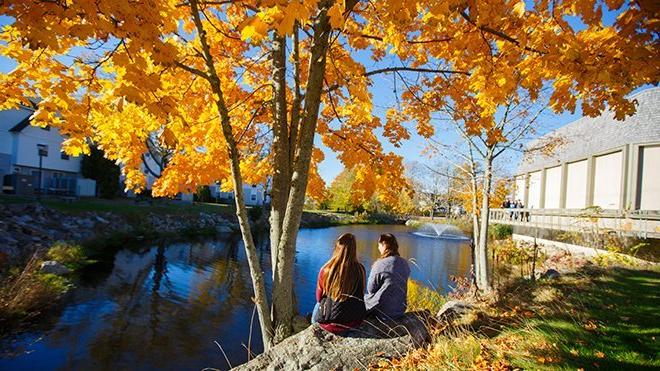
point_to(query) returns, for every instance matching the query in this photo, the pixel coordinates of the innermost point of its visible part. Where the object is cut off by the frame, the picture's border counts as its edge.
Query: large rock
(317, 349)
(550, 274)
(53, 267)
(454, 309)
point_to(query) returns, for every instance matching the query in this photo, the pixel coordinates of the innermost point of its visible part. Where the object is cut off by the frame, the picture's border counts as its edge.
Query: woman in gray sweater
(387, 286)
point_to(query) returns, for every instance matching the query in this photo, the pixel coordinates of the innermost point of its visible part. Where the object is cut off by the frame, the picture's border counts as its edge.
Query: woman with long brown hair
(340, 288)
(387, 288)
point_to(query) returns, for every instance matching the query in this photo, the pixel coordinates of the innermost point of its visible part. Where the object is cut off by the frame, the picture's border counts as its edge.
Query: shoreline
(30, 231)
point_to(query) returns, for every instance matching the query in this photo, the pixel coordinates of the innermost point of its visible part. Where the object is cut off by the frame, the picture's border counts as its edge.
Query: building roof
(25, 121)
(21, 124)
(593, 135)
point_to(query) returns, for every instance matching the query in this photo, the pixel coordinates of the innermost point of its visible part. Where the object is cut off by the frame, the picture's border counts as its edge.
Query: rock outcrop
(53, 267)
(454, 309)
(317, 349)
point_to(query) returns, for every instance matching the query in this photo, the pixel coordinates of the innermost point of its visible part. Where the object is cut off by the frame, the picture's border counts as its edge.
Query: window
(649, 184)
(576, 185)
(64, 156)
(607, 180)
(534, 192)
(552, 187)
(254, 197)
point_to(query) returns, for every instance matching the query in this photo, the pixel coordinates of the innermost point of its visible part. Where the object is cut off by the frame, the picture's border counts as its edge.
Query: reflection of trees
(163, 308)
(170, 306)
(160, 270)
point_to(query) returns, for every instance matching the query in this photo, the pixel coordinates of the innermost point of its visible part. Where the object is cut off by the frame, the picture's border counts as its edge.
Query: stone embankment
(26, 228)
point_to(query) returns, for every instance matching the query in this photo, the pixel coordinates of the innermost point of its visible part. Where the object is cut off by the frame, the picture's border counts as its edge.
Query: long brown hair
(391, 246)
(344, 275)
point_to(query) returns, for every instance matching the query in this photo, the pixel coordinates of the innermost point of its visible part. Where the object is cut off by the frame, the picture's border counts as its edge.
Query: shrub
(255, 212)
(56, 284)
(500, 231)
(202, 194)
(27, 293)
(421, 297)
(71, 255)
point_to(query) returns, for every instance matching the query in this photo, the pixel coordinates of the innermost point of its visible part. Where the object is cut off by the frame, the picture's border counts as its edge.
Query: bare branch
(411, 69)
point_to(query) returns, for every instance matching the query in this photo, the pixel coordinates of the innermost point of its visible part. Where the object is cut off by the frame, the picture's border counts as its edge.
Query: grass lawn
(605, 319)
(595, 319)
(122, 206)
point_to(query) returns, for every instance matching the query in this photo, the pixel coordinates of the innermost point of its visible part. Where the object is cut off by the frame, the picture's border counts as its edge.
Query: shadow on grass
(592, 319)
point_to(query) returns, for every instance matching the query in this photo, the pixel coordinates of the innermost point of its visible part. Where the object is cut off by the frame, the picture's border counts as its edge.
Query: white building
(602, 163)
(20, 147)
(255, 194)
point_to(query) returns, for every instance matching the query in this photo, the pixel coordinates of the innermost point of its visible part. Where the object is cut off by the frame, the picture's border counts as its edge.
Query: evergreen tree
(105, 172)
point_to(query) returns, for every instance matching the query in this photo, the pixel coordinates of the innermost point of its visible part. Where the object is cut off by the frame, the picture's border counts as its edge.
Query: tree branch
(498, 33)
(192, 70)
(411, 69)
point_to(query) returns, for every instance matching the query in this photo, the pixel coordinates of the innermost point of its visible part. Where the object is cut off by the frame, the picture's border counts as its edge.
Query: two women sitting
(341, 302)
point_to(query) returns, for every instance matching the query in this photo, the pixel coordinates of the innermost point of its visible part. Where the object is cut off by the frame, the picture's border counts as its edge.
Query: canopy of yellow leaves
(117, 72)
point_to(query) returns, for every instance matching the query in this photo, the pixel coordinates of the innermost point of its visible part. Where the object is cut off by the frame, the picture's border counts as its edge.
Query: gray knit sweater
(387, 287)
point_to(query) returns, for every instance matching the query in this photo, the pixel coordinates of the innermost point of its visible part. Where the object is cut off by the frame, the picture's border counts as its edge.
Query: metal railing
(639, 223)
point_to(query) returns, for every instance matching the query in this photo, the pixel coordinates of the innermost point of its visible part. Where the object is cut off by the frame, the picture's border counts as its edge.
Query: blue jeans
(316, 309)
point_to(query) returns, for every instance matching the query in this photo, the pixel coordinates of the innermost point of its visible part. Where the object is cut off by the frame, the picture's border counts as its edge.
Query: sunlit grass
(593, 319)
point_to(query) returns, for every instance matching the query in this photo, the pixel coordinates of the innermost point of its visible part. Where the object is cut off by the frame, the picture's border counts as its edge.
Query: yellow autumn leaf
(336, 14)
(519, 8)
(253, 29)
(167, 138)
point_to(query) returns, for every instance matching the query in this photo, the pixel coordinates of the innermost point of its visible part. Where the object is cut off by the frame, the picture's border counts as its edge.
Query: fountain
(434, 230)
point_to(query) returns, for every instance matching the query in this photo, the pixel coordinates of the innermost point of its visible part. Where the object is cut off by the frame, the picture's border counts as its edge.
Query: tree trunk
(483, 279)
(475, 222)
(282, 310)
(303, 155)
(256, 273)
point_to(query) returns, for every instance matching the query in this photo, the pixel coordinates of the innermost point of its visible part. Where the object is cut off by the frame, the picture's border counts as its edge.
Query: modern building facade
(33, 160)
(602, 162)
(604, 176)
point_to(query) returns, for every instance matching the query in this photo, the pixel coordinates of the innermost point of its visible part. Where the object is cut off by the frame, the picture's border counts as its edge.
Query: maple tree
(236, 90)
(475, 174)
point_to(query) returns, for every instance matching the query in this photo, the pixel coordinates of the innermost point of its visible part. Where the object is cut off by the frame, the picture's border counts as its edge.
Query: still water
(167, 306)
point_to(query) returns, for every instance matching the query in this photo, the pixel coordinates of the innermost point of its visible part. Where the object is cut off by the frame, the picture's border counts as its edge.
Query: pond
(180, 306)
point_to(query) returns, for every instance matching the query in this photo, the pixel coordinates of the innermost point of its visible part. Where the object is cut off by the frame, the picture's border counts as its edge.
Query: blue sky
(383, 98)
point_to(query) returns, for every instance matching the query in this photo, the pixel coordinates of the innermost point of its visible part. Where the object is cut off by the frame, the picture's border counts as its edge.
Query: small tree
(104, 171)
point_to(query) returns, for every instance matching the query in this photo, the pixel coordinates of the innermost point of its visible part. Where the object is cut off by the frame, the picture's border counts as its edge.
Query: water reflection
(165, 306)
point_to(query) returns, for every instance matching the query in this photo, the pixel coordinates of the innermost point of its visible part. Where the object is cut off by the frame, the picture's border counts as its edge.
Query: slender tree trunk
(482, 278)
(281, 171)
(297, 99)
(299, 177)
(256, 273)
(475, 221)
(283, 308)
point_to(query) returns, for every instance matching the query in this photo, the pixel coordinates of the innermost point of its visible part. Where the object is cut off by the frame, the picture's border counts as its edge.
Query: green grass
(121, 206)
(602, 319)
(594, 319)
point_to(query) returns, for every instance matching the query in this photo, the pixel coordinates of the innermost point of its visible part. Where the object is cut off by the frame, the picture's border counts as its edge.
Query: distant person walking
(507, 204)
(340, 289)
(387, 287)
